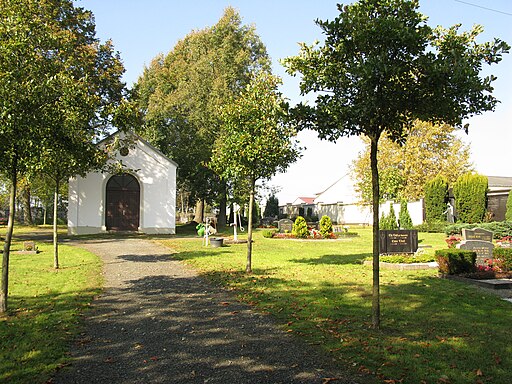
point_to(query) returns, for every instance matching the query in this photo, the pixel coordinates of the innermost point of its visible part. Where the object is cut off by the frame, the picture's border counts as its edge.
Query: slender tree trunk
(55, 235)
(45, 209)
(25, 200)
(4, 289)
(375, 206)
(198, 215)
(221, 222)
(248, 268)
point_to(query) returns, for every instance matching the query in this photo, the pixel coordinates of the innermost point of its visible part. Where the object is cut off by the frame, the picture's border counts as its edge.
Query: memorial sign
(477, 234)
(398, 241)
(285, 225)
(483, 249)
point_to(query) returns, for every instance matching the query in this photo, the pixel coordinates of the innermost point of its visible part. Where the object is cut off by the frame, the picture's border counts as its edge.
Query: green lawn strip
(44, 308)
(432, 329)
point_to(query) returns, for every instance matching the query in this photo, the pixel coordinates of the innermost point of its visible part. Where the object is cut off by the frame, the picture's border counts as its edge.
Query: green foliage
(326, 227)
(500, 229)
(470, 192)
(300, 228)
(389, 221)
(454, 261)
(436, 193)
(434, 227)
(508, 214)
(272, 207)
(505, 255)
(404, 217)
(268, 233)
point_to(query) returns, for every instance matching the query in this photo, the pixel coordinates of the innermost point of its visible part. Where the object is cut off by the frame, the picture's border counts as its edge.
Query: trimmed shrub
(436, 193)
(404, 217)
(505, 255)
(500, 229)
(326, 227)
(508, 214)
(470, 191)
(300, 228)
(455, 261)
(268, 233)
(434, 227)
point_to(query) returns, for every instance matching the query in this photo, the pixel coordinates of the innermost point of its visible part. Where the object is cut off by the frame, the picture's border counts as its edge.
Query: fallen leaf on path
(479, 372)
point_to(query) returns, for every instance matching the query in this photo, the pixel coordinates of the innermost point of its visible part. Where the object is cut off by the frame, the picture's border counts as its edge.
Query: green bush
(455, 261)
(470, 191)
(404, 217)
(508, 214)
(405, 259)
(389, 221)
(505, 255)
(433, 227)
(300, 228)
(500, 229)
(436, 193)
(268, 233)
(326, 227)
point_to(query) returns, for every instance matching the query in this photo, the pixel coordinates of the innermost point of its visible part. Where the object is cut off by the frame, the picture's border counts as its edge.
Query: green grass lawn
(44, 309)
(433, 330)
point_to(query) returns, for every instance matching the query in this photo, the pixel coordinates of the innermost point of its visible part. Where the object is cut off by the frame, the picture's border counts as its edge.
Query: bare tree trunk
(4, 289)
(375, 206)
(199, 212)
(55, 234)
(221, 222)
(248, 267)
(25, 200)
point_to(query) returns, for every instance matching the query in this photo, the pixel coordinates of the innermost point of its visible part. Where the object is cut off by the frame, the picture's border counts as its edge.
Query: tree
(326, 227)
(182, 94)
(300, 228)
(470, 192)
(429, 150)
(436, 195)
(272, 207)
(381, 68)
(255, 141)
(404, 218)
(58, 86)
(389, 221)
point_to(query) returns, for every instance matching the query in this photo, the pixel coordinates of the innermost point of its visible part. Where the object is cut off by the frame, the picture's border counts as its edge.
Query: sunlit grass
(432, 329)
(44, 308)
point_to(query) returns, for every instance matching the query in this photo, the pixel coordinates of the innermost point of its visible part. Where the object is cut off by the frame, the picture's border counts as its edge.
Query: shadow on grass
(35, 336)
(334, 259)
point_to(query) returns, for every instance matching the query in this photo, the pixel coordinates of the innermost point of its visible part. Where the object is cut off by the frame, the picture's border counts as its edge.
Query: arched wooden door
(122, 203)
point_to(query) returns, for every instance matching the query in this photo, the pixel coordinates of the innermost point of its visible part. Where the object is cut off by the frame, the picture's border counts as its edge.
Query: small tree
(255, 142)
(404, 217)
(300, 228)
(272, 207)
(326, 227)
(508, 214)
(436, 193)
(389, 220)
(470, 191)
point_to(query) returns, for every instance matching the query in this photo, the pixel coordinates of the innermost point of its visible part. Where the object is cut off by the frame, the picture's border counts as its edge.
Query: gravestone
(478, 240)
(285, 225)
(398, 241)
(483, 249)
(477, 234)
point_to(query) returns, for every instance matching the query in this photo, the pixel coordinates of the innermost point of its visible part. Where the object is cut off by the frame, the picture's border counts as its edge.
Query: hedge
(454, 261)
(499, 228)
(505, 255)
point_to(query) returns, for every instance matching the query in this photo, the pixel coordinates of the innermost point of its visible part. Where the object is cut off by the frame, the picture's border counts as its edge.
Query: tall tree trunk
(375, 206)
(4, 286)
(248, 267)
(55, 235)
(221, 222)
(198, 215)
(25, 199)
(231, 213)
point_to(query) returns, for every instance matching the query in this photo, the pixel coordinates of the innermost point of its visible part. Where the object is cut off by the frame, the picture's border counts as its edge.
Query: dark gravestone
(483, 249)
(477, 234)
(398, 241)
(285, 225)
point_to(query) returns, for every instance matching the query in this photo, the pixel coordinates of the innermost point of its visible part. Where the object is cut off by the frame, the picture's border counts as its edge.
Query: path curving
(157, 321)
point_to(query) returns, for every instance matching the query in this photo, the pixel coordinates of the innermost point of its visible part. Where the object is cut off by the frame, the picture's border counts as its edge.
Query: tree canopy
(380, 68)
(182, 93)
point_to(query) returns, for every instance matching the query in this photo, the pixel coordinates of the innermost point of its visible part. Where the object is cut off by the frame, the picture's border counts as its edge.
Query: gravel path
(158, 322)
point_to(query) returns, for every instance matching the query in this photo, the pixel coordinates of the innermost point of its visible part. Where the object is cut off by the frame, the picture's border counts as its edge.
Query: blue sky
(141, 29)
